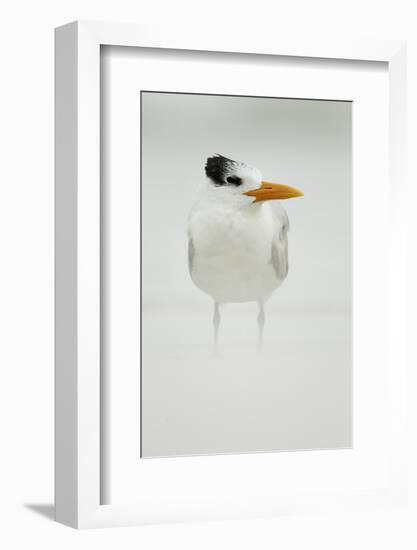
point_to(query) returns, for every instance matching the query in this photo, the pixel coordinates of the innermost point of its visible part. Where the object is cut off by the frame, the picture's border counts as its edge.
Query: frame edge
(66, 387)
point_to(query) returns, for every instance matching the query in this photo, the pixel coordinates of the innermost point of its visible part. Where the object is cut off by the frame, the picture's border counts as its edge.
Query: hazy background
(297, 395)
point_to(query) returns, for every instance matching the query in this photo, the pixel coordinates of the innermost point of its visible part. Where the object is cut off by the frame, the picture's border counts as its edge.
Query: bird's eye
(233, 180)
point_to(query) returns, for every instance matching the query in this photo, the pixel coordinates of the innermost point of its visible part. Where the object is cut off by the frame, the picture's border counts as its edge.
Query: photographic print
(246, 274)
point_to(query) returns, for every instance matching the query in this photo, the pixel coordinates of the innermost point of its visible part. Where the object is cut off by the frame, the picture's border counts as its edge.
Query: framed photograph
(227, 343)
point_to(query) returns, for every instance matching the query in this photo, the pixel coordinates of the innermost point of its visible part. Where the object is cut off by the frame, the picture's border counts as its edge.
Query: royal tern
(237, 237)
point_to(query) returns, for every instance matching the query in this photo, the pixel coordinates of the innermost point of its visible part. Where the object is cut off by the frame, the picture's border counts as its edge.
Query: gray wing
(279, 248)
(191, 253)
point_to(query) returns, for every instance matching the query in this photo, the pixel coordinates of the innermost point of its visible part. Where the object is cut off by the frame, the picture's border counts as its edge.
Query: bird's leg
(261, 323)
(216, 324)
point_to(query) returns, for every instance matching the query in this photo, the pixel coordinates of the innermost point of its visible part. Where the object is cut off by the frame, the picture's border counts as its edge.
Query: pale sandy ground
(295, 395)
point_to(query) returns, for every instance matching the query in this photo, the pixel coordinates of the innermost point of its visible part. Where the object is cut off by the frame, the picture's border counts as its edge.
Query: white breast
(230, 251)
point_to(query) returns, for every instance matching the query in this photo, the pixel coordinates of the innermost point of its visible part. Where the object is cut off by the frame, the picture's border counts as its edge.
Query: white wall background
(26, 292)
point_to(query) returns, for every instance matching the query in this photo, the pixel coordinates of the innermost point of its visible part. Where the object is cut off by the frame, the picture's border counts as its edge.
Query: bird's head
(237, 179)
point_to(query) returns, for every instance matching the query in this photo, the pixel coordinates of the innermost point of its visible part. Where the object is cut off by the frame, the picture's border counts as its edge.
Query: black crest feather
(217, 168)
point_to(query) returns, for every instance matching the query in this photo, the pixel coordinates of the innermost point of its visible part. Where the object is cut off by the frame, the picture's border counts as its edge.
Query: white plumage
(238, 247)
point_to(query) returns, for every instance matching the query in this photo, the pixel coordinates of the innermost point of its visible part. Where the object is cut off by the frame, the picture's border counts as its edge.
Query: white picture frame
(78, 409)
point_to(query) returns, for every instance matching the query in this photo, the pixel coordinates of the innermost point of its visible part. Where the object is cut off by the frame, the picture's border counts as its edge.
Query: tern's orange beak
(274, 191)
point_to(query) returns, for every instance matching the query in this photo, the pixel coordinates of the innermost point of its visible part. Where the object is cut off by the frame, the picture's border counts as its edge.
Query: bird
(237, 237)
